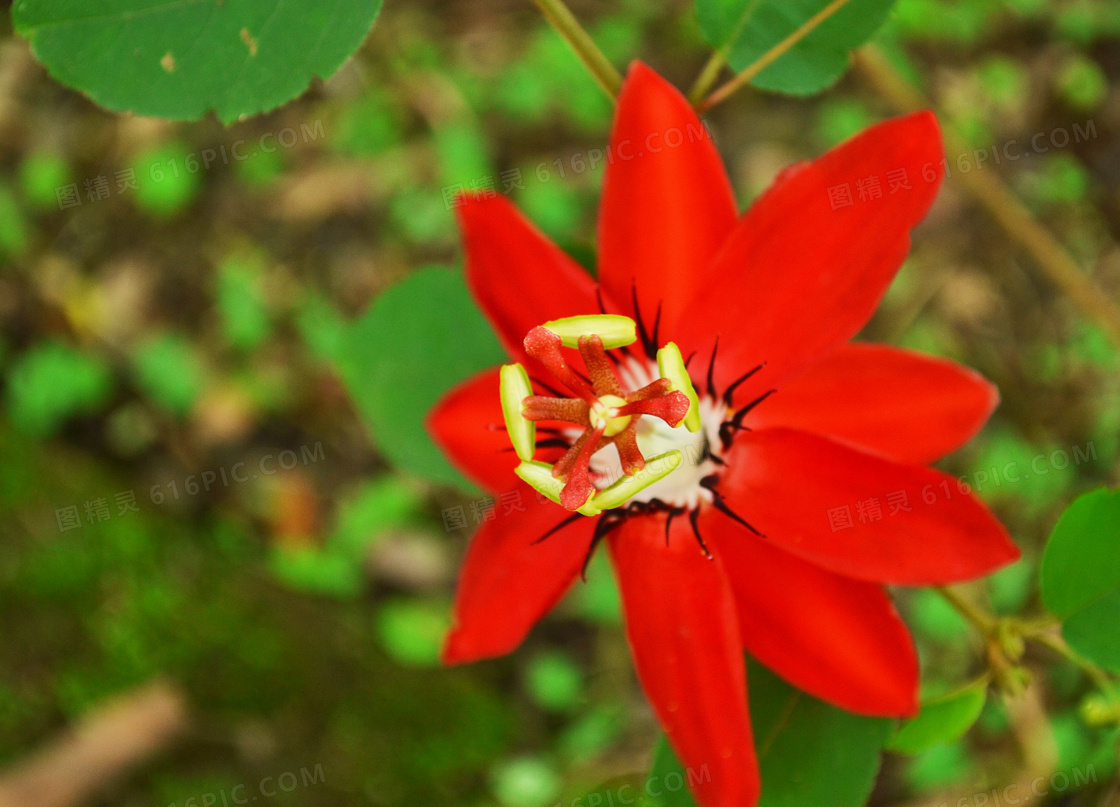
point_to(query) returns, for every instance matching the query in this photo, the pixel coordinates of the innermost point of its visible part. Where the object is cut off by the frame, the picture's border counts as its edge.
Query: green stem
(1059, 646)
(707, 77)
(983, 622)
(565, 23)
(1040, 632)
(996, 197)
(772, 55)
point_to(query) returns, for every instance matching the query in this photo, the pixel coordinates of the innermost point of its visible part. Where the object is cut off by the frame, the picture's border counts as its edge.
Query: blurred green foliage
(213, 315)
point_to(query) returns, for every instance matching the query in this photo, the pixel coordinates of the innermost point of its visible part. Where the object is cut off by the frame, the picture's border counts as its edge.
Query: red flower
(804, 490)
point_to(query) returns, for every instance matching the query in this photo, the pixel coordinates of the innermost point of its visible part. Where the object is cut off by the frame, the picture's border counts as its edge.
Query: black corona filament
(709, 483)
(607, 523)
(569, 520)
(729, 393)
(712, 370)
(693, 520)
(735, 423)
(648, 347)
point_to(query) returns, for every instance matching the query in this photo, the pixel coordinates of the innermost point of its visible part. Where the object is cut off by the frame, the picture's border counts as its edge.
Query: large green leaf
(417, 340)
(1081, 576)
(747, 29)
(941, 720)
(181, 58)
(809, 753)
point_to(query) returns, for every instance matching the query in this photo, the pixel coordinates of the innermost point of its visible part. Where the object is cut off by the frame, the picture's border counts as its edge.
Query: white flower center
(682, 487)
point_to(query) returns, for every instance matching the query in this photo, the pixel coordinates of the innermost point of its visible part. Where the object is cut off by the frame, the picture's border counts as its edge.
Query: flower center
(602, 413)
(605, 416)
(682, 488)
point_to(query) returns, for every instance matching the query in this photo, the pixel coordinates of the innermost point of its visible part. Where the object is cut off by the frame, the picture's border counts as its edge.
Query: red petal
(798, 278)
(468, 426)
(519, 278)
(667, 203)
(680, 620)
(794, 488)
(837, 638)
(508, 581)
(906, 406)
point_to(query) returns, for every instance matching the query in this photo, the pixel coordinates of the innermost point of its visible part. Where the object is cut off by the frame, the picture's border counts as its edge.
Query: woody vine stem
(1005, 639)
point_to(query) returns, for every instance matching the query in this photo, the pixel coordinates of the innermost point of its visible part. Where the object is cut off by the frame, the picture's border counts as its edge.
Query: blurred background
(210, 564)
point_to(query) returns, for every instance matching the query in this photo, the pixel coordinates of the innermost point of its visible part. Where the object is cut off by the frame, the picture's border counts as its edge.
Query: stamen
(566, 463)
(538, 476)
(603, 379)
(671, 408)
(568, 410)
(614, 330)
(657, 469)
(515, 387)
(544, 346)
(671, 366)
(626, 442)
(654, 389)
(578, 490)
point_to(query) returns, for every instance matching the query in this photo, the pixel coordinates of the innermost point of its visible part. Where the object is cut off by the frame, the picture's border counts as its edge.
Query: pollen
(607, 413)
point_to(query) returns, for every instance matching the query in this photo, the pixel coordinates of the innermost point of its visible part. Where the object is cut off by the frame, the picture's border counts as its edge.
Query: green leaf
(940, 767)
(417, 340)
(181, 59)
(808, 752)
(526, 782)
(168, 369)
(747, 29)
(1095, 631)
(41, 175)
(555, 681)
(377, 507)
(412, 631)
(164, 185)
(1080, 576)
(245, 316)
(51, 383)
(315, 571)
(941, 720)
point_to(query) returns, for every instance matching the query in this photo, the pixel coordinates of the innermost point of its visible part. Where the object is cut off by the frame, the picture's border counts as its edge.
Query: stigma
(604, 413)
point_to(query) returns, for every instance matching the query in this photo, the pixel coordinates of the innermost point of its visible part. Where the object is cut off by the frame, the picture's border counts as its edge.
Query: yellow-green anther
(670, 364)
(615, 330)
(656, 469)
(538, 476)
(515, 387)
